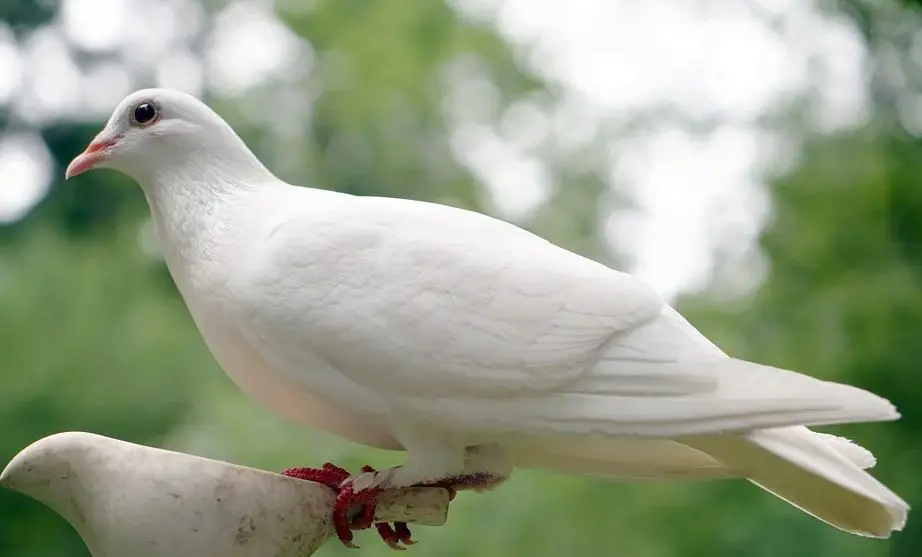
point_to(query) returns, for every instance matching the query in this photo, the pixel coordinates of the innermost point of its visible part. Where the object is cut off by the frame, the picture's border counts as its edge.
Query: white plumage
(466, 341)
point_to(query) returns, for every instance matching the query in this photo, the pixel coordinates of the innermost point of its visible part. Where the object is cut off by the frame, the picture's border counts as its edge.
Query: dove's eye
(144, 114)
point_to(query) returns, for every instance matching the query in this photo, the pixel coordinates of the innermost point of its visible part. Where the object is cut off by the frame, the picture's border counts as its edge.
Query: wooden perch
(128, 500)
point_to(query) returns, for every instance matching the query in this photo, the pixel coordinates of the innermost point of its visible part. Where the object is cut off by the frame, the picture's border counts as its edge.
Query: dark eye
(144, 113)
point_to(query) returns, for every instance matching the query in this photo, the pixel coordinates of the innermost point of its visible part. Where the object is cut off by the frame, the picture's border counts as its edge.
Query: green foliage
(842, 299)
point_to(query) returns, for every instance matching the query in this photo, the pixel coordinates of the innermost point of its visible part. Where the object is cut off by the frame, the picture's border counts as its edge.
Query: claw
(392, 536)
(403, 532)
(347, 499)
(396, 535)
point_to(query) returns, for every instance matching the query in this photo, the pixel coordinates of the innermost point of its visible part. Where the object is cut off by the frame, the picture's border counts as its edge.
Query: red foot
(347, 499)
(346, 519)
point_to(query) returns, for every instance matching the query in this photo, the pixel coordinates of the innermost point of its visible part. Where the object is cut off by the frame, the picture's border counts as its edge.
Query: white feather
(633, 459)
(812, 476)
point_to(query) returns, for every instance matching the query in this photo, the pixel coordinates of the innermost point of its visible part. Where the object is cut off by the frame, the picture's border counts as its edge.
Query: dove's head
(153, 132)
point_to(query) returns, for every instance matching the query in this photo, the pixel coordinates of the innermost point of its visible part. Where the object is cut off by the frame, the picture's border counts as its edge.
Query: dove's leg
(394, 535)
(436, 464)
(485, 467)
(430, 458)
(347, 499)
(431, 455)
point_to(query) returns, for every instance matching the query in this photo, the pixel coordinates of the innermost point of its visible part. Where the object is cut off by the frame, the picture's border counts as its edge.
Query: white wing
(464, 320)
(419, 298)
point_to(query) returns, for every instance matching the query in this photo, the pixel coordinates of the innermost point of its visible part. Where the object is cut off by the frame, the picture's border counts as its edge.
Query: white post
(128, 500)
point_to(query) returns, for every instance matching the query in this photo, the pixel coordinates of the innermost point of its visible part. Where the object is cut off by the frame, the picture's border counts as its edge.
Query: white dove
(471, 344)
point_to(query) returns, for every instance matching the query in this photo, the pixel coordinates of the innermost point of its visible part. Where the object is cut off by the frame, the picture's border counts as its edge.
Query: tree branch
(128, 500)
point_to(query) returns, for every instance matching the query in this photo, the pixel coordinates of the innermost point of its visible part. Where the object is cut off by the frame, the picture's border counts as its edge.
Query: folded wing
(469, 322)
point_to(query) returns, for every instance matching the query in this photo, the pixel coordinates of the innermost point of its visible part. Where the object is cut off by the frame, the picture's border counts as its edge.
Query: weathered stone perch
(128, 500)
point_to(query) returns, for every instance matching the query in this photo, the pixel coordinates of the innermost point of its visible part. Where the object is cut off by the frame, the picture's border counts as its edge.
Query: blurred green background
(757, 160)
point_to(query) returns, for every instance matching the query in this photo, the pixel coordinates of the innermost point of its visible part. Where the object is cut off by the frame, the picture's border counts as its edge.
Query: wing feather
(421, 299)
(466, 321)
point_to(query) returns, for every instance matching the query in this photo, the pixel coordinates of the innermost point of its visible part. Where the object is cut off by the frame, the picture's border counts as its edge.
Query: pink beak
(96, 151)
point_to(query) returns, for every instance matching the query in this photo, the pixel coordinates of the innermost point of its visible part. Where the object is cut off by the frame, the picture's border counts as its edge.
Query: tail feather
(855, 453)
(821, 474)
(619, 458)
(813, 476)
(635, 459)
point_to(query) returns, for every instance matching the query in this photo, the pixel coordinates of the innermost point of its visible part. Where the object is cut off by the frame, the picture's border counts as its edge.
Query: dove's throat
(195, 206)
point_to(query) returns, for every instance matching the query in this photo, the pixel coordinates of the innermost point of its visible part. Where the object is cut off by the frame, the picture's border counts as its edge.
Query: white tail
(619, 458)
(812, 475)
(634, 459)
(821, 474)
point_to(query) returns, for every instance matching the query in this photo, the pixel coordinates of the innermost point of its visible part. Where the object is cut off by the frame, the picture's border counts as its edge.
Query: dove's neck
(197, 203)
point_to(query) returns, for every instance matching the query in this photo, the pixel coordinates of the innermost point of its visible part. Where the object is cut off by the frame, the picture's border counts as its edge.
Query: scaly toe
(403, 533)
(396, 535)
(329, 475)
(341, 508)
(389, 536)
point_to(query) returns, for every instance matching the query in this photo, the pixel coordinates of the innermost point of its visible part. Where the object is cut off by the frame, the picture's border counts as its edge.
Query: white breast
(201, 251)
(278, 392)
